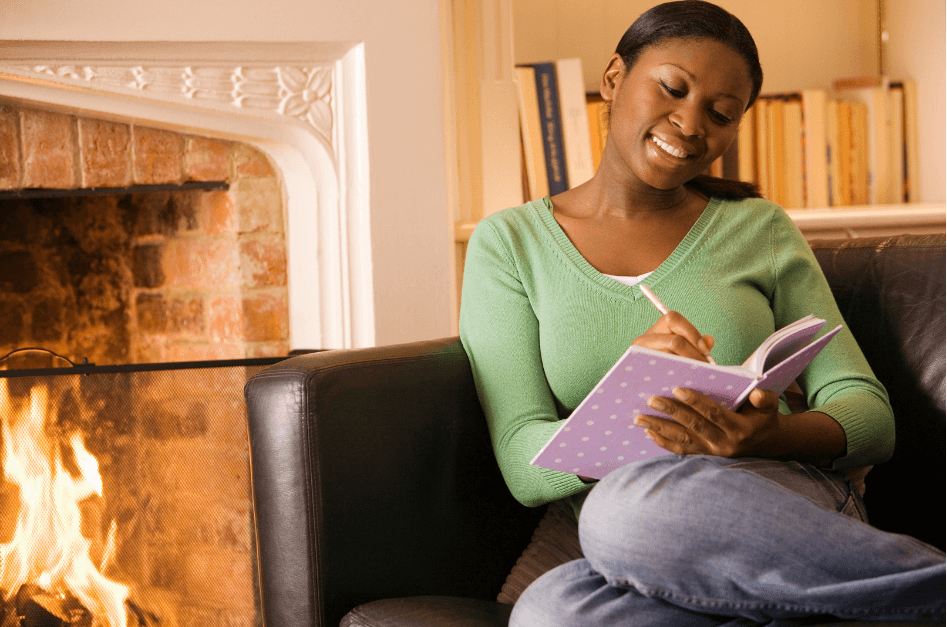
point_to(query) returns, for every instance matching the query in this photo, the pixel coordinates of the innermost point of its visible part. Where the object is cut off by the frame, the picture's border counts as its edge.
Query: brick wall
(179, 275)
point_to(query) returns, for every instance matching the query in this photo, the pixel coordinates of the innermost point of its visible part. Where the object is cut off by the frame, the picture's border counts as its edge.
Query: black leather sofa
(375, 487)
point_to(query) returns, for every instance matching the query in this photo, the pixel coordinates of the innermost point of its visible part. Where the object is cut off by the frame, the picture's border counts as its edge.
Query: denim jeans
(706, 541)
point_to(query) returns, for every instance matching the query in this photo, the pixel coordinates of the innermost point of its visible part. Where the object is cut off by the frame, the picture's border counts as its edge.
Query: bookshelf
(480, 42)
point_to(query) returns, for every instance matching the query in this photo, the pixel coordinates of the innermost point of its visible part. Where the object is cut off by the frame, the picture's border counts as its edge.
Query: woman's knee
(659, 507)
(558, 597)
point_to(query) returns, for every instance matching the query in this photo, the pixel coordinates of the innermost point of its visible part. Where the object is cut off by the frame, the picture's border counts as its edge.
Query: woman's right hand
(674, 334)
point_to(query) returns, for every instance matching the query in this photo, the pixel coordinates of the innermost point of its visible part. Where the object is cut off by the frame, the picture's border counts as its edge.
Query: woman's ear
(614, 70)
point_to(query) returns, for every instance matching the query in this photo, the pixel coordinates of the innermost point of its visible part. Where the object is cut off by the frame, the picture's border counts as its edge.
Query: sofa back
(891, 294)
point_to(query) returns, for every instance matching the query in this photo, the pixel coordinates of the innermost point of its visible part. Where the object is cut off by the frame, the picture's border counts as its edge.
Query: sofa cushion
(555, 542)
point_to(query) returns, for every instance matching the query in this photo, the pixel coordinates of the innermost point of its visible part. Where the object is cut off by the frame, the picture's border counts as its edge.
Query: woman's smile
(679, 153)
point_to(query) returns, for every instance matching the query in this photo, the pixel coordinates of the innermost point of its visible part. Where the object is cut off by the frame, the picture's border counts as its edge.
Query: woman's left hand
(703, 426)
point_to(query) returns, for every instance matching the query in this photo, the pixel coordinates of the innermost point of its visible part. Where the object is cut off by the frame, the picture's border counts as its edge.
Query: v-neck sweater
(541, 326)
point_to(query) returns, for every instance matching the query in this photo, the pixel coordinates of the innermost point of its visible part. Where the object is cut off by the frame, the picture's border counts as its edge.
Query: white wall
(409, 219)
(916, 49)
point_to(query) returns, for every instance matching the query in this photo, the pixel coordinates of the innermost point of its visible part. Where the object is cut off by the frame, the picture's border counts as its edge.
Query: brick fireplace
(151, 271)
(121, 243)
(234, 226)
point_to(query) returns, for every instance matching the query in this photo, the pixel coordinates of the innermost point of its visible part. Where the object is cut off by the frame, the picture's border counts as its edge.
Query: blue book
(547, 90)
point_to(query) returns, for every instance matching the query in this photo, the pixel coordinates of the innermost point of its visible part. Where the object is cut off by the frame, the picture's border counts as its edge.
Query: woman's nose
(689, 119)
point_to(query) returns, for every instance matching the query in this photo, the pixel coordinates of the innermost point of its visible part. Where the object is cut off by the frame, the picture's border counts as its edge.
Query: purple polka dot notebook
(601, 435)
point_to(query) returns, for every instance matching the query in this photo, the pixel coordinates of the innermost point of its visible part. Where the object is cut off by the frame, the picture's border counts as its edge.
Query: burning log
(32, 606)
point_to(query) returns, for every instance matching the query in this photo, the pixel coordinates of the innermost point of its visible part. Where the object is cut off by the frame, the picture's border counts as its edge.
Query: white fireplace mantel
(301, 103)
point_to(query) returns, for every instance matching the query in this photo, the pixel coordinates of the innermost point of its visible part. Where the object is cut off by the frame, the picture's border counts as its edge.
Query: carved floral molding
(300, 92)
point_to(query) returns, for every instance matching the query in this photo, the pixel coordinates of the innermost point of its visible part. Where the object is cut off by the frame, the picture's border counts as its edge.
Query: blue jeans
(706, 541)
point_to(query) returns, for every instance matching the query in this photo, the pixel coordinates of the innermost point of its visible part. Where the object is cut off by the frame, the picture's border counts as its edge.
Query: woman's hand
(700, 425)
(674, 334)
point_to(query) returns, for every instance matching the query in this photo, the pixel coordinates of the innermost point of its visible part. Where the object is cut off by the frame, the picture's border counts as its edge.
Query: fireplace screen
(125, 496)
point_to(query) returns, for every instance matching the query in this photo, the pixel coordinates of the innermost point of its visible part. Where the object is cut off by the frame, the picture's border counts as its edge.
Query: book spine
(547, 90)
(531, 133)
(746, 146)
(912, 159)
(576, 135)
(793, 147)
(816, 148)
(593, 109)
(896, 141)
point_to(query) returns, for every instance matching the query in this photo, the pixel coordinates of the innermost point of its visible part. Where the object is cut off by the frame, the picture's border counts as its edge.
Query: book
(746, 146)
(845, 152)
(531, 133)
(600, 435)
(550, 116)
(912, 159)
(593, 109)
(864, 181)
(576, 136)
(896, 141)
(777, 155)
(793, 148)
(833, 134)
(815, 147)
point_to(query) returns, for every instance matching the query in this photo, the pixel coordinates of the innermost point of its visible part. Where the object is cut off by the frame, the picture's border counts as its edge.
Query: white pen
(662, 308)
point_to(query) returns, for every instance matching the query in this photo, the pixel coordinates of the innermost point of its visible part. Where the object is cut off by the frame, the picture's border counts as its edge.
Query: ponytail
(725, 189)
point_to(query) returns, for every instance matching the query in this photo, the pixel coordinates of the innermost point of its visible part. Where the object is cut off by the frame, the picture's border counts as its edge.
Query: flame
(48, 547)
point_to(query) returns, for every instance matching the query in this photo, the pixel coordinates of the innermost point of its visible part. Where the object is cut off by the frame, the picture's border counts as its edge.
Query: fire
(48, 548)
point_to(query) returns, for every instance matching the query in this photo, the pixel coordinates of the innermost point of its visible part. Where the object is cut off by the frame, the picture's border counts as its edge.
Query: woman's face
(676, 110)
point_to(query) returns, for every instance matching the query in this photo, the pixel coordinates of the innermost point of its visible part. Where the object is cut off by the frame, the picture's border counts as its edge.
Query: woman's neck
(602, 197)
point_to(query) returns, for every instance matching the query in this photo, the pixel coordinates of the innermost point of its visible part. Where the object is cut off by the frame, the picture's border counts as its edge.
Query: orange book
(863, 177)
(795, 197)
(845, 152)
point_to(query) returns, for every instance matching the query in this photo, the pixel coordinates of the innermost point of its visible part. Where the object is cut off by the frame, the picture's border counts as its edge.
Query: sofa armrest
(891, 292)
(373, 477)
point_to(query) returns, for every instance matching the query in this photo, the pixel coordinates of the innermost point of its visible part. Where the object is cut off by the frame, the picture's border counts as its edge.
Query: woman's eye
(674, 92)
(721, 118)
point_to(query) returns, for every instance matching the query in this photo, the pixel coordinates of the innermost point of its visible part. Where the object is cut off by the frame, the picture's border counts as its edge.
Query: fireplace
(159, 240)
(160, 257)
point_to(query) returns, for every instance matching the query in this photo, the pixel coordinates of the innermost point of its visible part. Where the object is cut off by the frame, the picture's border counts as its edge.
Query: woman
(753, 518)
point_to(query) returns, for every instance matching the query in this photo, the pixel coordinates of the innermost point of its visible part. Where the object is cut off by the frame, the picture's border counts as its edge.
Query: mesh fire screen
(125, 496)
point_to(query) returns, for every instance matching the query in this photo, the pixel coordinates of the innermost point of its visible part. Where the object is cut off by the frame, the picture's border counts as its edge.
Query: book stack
(856, 145)
(554, 127)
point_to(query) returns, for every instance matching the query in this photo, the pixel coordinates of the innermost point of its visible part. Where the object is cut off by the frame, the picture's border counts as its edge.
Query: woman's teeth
(668, 148)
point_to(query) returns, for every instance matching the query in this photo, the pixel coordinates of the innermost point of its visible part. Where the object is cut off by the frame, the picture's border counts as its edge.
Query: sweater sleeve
(500, 333)
(839, 382)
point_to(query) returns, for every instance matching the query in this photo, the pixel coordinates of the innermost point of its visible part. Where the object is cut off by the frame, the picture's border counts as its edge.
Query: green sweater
(541, 326)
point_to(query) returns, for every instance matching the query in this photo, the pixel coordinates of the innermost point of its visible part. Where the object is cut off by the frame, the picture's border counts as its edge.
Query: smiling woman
(551, 300)
(681, 99)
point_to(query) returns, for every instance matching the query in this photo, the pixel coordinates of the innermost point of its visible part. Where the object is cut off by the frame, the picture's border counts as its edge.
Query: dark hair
(697, 19)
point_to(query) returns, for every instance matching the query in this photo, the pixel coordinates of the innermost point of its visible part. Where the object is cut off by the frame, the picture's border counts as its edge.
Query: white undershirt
(629, 280)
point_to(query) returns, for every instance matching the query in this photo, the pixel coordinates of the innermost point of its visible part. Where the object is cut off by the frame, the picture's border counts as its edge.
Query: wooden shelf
(855, 221)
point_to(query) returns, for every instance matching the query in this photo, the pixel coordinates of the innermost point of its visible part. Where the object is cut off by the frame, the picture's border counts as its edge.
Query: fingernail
(656, 402)
(681, 394)
(644, 424)
(702, 345)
